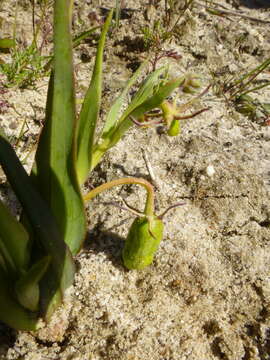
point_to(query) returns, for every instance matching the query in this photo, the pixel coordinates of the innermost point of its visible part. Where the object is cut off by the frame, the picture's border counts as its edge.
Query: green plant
(36, 264)
(26, 67)
(146, 231)
(238, 90)
(28, 64)
(163, 30)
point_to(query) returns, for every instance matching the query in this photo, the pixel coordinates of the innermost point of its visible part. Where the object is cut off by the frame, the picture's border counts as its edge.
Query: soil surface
(207, 294)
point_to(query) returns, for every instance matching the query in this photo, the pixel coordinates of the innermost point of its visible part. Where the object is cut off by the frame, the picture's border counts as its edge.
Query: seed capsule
(142, 242)
(174, 128)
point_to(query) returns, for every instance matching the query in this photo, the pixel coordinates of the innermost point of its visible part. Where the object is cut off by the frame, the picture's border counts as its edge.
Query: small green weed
(238, 91)
(26, 65)
(25, 68)
(162, 31)
(29, 64)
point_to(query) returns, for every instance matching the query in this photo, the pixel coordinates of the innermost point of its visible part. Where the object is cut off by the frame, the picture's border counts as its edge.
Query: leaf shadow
(107, 242)
(7, 339)
(256, 4)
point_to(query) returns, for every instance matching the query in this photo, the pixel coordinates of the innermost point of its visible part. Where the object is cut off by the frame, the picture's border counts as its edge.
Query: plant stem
(117, 12)
(149, 205)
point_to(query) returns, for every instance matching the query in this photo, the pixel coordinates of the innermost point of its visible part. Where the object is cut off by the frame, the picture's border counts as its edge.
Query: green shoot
(36, 264)
(239, 92)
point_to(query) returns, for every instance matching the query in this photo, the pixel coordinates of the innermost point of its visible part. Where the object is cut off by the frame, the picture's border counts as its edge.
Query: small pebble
(210, 170)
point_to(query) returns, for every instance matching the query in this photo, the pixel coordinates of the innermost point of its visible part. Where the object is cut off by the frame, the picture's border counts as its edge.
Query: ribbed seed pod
(174, 128)
(142, 242)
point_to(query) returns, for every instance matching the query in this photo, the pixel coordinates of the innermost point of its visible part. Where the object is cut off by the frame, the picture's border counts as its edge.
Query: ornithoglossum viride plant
(36, 251)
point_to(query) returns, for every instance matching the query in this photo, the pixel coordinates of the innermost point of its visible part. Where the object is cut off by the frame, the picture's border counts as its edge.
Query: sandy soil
(207, 294)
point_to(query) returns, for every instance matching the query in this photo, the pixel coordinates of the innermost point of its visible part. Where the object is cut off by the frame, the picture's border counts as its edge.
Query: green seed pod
(174, 128)
(142, 242)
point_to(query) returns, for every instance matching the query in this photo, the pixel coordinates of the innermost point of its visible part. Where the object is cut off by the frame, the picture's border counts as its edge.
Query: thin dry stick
(170, 208)
(149, 168)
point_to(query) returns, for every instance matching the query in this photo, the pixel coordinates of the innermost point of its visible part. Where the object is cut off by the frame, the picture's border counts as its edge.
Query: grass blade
(6, 43)
(77, 40)
(82, 36)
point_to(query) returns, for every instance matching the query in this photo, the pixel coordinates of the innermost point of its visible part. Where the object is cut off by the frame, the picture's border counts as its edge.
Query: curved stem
(161, 216)
(192, 114)
(149, 205)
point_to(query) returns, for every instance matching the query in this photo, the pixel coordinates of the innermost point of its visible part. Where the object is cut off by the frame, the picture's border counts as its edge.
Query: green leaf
(11, 312)
(77, 40)
(27, 287)
(14, 241)
(149, 96)
(45, 229)
(55, 157)
(112, 118)
(114, 131)
(145, 91)
(82, 36)
(90, 111)
(158, 97)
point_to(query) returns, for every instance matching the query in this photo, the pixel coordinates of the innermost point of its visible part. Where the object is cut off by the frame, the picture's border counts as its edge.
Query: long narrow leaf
(6, 260)
(14, 241)
(27, 287)
(145, 91)
(55, 158)
(77, 40)
(82, 36)
(44, 226)
(90, 111)
(112, 118)
(11, 312)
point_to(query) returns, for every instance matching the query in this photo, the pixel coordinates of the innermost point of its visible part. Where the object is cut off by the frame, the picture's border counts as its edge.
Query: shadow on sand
(256, 4)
